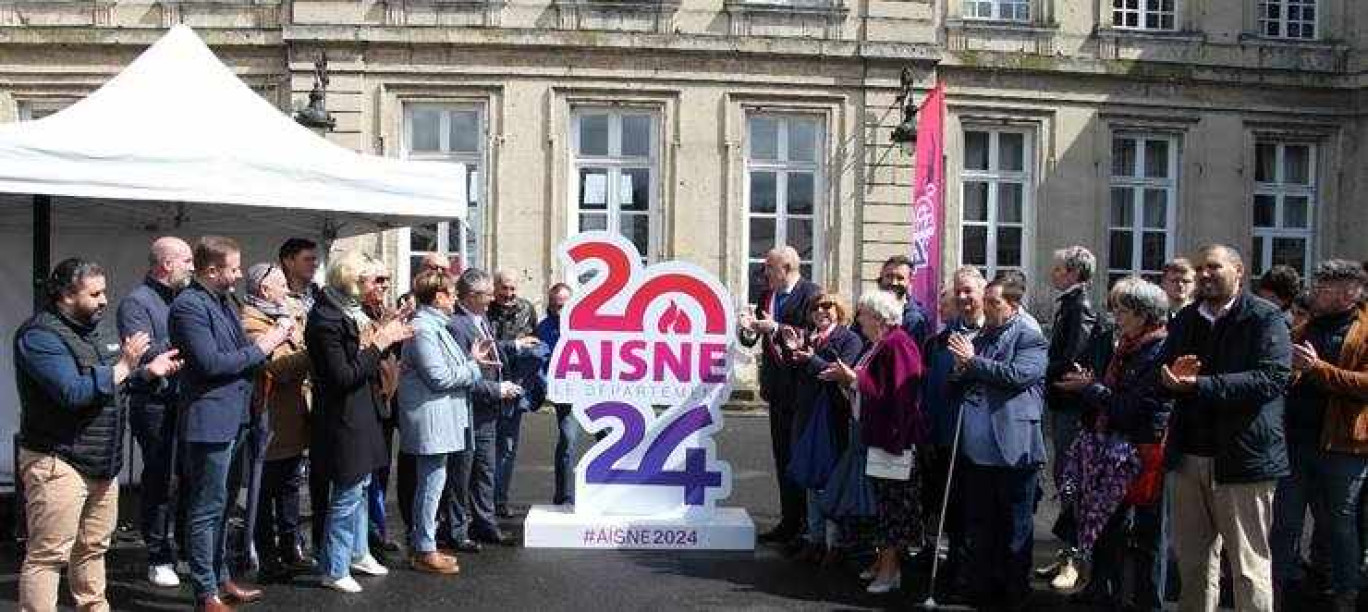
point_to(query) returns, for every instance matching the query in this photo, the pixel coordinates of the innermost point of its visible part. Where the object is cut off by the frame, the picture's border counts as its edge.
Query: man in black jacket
(1228, 362)
(1070, 343)
(781, 317)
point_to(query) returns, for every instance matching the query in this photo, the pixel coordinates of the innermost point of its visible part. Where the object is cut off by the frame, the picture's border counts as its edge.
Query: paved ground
(517, 579)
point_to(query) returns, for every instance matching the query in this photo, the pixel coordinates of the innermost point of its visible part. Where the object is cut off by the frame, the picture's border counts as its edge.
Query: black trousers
(407, 482)
(792, 496)
(277, 524)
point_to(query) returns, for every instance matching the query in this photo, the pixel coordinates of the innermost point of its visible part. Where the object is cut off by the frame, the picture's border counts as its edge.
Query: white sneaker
(346, 584)
(369, 566)
(881, 586)
(163, 576)
(1067, 578)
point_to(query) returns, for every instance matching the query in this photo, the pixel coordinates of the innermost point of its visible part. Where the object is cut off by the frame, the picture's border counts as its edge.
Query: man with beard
(895, 277)
(215, 395)
(1228, 361)
(151, 403)
(69, 372)
(513, 318)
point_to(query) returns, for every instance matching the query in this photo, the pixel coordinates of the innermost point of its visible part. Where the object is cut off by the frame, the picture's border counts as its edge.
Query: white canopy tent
(177, 145)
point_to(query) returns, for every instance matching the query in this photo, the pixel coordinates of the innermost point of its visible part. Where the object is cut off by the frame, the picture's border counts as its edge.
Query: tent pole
(42, 246)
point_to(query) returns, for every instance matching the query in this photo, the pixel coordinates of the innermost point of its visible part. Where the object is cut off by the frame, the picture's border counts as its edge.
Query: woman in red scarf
(1128, 401)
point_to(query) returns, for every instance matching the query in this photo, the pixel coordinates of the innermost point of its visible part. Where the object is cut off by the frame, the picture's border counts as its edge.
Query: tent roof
(178, 126)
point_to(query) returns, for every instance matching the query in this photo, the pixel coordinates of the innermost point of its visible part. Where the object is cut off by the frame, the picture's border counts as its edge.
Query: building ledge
(800, 18)
(617, 15)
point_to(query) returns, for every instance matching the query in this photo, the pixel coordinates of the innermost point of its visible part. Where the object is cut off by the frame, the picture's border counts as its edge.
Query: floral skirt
(899, 523)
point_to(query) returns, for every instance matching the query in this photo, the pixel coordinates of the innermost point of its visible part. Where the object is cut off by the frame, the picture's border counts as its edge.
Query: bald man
(784, 304)
(151, 402)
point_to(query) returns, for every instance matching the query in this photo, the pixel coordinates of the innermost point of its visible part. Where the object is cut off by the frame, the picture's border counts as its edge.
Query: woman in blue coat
(434, 409)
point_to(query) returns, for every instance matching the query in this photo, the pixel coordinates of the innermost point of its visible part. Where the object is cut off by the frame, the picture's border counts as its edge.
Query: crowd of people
(247, 399)
(1189, 425)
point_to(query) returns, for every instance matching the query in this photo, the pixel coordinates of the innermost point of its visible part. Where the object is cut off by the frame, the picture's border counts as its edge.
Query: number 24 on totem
(645, 357)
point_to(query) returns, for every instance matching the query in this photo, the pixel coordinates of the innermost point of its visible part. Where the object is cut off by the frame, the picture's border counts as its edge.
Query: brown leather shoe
(213, 604)
(240, 593)
(435, 563)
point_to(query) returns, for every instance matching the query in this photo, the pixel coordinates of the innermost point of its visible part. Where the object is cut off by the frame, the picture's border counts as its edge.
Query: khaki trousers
(1208, 516)
(70, 522)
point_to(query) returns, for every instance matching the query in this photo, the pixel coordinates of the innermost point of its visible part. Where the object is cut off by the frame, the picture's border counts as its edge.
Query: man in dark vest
(69, 372)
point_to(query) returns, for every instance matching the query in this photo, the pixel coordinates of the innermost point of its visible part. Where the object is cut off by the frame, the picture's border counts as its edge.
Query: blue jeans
(508, 430)
(207, 469)
(1331, 483)
(820, 530)
(567, 438)
(154, 427)
(427, 496)
(999, 532)
(1303, 487)
(347, 528)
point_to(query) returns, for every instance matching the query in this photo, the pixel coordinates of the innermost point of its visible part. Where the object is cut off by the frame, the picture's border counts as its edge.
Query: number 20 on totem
(645, 356)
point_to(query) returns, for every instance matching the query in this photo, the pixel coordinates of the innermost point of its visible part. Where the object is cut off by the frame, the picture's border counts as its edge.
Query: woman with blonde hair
(348, 442)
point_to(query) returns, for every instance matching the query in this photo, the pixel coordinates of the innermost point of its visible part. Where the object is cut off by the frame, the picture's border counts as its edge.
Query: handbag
(814, 453)
(848, 493)
(1148, 485)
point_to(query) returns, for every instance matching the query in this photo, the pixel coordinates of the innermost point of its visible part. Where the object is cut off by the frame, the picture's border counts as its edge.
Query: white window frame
(1279, 190)
(994, 177)
(1283, 23)
(781, 167)
(1138, 184)
(1142, 12)
(470, 234)
(29, 110)
(614, 162)
(971, 10)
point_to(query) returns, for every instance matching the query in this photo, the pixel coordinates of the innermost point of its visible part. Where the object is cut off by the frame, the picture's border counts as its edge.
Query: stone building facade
(712, 130)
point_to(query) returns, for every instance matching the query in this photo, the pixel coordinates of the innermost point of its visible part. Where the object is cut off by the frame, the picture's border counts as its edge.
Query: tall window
(616, 174)
(784, 176)
(1143, 14)
(1284, 204)
(1144, 196)
(1002, 10)
(1287, 18)
(454, 133)
(996, 200)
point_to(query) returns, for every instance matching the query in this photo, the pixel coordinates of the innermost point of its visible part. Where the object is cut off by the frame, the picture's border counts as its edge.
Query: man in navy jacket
(1228, 362)
(782, 312)
(151, 407)
(216, 389)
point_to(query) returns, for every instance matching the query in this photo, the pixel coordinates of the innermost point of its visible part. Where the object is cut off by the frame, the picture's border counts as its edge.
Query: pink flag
(928, 189)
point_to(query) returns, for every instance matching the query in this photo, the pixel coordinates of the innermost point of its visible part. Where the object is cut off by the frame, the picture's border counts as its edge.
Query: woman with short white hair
(885, 384)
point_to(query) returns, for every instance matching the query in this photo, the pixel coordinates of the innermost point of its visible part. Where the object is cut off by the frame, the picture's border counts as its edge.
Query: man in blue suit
(781, 317)
(470, 482)
(216, 389)
(1000, 377)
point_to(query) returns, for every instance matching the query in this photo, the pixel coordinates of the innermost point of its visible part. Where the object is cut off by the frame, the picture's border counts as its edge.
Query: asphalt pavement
(542, 580)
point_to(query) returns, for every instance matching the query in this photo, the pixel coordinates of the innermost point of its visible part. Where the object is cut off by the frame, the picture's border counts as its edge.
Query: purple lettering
(575, 358)
(633, 357)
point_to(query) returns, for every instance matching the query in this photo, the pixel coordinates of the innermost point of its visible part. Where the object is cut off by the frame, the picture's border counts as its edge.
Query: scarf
(267, 307)
(1127, 348)
(351, 306)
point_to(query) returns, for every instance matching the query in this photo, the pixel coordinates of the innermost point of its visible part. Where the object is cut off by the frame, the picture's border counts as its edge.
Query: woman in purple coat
(885, 386)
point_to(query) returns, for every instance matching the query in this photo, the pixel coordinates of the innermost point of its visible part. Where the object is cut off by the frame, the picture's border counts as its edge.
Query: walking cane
(930, 603)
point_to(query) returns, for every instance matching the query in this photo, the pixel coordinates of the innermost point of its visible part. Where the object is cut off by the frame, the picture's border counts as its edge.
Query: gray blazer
(434, 404)
(1007, 377)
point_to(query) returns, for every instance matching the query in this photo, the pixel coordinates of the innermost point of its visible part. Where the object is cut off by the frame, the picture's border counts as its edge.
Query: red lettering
(632, 355)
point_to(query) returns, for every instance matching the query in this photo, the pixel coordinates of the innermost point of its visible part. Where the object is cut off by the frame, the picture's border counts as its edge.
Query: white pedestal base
(560, 527)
